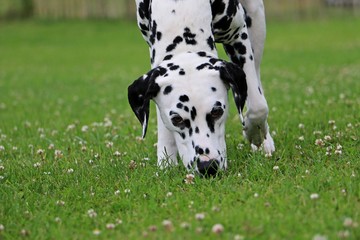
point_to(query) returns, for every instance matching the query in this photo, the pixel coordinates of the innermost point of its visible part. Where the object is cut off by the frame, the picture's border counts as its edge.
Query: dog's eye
(217, 112)
(177, 120)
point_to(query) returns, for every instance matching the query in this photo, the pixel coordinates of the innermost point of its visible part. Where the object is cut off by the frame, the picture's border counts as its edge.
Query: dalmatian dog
(189, 83)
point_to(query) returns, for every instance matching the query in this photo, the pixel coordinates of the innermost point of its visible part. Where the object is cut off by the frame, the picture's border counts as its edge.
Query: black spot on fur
(186, 109)
(207, 151)
(187, 123)
(179, 105)
(244, 36)
(193, 113)
(190, 131)
(184, 98)
(167, 90)
(153, 53)
(210, 42)
(213, 89)
(183, 136)
(167, 57)
(214, 60)
(176, 41)
(223, 23)
(240, 48)
(202, 54)
(217, 7)
(182, 72)
(174, 67)
(260, 90)
(189, 36)
(248, 21)
(210, 122)
(204, 65)
(197, 130)
(199, 150)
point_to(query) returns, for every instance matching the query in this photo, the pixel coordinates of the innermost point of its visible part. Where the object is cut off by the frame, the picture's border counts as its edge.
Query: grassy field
(72, 165)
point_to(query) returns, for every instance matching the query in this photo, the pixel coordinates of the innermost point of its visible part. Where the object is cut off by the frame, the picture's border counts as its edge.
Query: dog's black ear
(234, 76)
(140, 92)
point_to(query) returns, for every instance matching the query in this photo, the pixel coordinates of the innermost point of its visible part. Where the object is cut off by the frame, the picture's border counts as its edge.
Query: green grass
(58, 77)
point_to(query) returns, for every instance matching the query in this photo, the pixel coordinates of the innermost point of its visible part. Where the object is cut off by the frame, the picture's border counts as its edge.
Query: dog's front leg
(255, 125)
(166, 146)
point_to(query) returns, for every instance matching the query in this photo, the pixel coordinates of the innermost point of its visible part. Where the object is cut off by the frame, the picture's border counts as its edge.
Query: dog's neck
(178, 27)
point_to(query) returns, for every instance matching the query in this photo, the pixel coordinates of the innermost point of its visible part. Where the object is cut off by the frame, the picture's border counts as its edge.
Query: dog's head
(190, 91)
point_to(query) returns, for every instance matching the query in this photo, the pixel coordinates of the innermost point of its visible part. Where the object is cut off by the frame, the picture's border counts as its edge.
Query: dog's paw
(269, 145)
(255, 132)
(259, 137)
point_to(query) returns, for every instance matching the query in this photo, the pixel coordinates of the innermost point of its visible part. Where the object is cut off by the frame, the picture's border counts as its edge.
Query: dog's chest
(180, 26)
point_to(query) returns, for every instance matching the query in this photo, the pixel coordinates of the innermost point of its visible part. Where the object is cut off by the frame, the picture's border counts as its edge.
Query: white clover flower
(60, 203)
(217, 228)
(40, 151)
(301, 126)
(2, 168)
(189, 179)
(256, 195)
(319, 142)
(96, 232)
(152, 228)
(185, 225)
(169, 194)
(327, 138)
(37, 164)
(127, 190)
(51, 146)
(117, 154)
(70, 127)
(109, 144)
(276, 168)
(2, 228)
(331, 122)
(24, 232)
(301, 138)
(348, 222)
(91, 213)
(84, 128)
(167, 225)
(57, 219)
(338, 152)
(117, 192)
(110, 226)
(319, 237)
(240, 146)
(107, 122)
(239, 237)
(200, 216)
(58, 154)
(70, 170)
(314, 196)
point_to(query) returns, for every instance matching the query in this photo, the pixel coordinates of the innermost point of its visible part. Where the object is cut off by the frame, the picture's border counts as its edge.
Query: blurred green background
(125, 9)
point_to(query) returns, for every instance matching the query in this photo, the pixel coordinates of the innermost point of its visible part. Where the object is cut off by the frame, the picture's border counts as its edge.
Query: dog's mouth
(208, 168)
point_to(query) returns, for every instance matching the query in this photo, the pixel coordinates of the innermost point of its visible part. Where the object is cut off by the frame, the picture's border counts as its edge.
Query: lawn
(72, 165)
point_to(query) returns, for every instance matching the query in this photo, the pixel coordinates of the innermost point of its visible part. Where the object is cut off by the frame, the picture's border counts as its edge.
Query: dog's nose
(208, 168)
